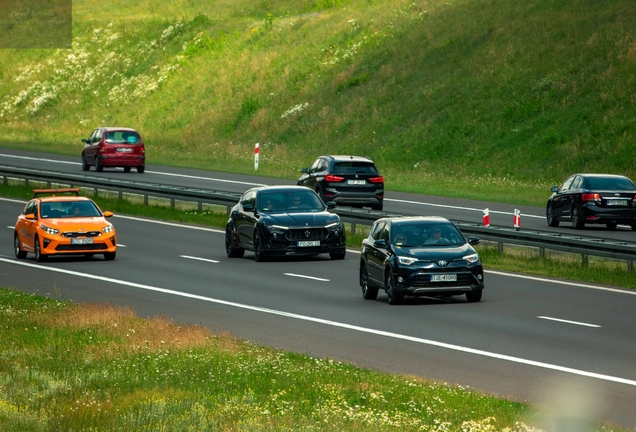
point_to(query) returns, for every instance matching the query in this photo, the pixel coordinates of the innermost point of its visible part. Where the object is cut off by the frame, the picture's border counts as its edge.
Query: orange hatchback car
(111, 147)
(63, 223)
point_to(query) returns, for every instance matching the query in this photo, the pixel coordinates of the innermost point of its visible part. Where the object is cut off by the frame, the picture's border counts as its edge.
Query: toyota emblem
(442, 263)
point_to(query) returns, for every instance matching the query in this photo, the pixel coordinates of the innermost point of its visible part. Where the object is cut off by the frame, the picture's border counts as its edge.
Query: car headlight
(335, 227)
(49, 230)
(472, 259)
(407, 260)
(107, 229)
(276, 228)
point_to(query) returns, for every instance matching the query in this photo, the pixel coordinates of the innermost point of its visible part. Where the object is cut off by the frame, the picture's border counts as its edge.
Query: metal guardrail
(573, 243)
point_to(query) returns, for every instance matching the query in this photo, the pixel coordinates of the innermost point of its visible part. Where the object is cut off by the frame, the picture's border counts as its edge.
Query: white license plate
(444, 278)
(309, 243)
(356, 182)
(124, 149)
(81, 241)
(617, 202)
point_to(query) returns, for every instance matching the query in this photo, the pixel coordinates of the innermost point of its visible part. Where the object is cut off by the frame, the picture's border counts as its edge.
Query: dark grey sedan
(593, 199)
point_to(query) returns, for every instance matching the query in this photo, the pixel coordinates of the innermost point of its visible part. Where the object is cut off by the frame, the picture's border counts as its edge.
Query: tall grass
(444, 96)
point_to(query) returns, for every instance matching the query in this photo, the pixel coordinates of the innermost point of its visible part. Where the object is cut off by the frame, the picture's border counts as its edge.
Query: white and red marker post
(256, 152)
(486, 218)
(516, 220)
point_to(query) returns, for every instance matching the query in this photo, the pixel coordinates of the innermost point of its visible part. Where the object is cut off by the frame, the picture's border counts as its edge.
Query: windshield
(420, 234)
(122, 137)
(296, 201)
(68, 209)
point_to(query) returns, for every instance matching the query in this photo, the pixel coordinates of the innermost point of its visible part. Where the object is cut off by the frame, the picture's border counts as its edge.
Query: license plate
(81, 241)
(124, 149)
(617, 202)
(356, 182)
(444, 278)
(309, 243)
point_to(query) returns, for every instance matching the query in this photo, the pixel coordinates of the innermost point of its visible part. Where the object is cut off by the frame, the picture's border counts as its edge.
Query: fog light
(479, 276)
(400, 279)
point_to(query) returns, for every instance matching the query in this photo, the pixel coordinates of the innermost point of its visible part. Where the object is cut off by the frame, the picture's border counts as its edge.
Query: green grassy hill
(491, 99)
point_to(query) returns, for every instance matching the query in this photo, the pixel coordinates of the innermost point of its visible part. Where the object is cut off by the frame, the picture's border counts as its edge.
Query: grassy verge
(90, 367)
(514, 259)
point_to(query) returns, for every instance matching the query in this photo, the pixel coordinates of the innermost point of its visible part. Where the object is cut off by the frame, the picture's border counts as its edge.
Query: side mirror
(381, 243)
(304, 170)
(108, 214)
(331, 205)
(84, 140)
(30, 216)
(554, 188)
(473, 240)
(248, 207)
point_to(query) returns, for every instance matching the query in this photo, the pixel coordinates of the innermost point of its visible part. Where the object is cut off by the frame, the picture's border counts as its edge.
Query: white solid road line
(306, 277)
(568, 321)
(459, 348)
(200, 259)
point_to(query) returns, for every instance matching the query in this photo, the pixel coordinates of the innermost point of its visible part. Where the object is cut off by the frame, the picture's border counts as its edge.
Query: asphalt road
(560, 345)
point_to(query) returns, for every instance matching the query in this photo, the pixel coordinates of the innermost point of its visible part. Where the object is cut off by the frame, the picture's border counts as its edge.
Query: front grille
(424, 281)
(307, 234)
(69, 247)
(72, 234)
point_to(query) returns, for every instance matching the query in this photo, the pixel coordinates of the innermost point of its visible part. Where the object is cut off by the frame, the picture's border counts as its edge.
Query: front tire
(369, 293)
(230, 249)
(611, 225)
(473, 296)
(578, 222)
(258, 248)
(85, 165)
(338, 255)
(38, 251)
(109, 256)
(19, 253)
(389, 287)
(552, 219)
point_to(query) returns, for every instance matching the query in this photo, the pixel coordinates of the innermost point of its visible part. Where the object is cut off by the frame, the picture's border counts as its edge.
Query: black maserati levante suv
(283, 220)
(419, 256)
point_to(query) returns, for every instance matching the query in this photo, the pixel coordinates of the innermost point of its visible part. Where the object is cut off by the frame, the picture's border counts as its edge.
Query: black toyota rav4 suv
(345, 180)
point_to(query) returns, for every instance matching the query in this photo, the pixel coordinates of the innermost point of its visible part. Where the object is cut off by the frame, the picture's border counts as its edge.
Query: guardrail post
(145, 200)
(200, 206)
(542, 252)
(586, 260)
(630, 266)
(121, 195)
(172, 203)
(95, 191)
(500, 247)
(353, 227)
(4, 180)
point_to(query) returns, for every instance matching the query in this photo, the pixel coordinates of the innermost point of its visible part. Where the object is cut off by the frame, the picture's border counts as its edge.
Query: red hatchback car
(111, 147)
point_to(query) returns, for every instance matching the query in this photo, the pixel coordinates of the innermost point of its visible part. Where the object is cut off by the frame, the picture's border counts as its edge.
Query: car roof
(589, 175)
(116, 128)
(281, 188)
(342, 158)
(64, 198)
(407, 220)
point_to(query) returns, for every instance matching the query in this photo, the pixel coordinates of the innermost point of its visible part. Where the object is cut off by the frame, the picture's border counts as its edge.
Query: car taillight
(101, 149)
(590, 197)
(634, 200)
(333, 179)
(378, 179)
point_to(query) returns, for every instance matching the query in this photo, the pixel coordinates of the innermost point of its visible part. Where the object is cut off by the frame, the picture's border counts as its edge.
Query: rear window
(354, 168)
(620, 183)
(122, 137)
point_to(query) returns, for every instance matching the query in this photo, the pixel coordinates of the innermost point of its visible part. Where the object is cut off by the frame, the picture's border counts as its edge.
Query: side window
(314, 166)
(31, 207)
(576, 184)
(565, 186)
(377, 230)
(98, 136)
(323, 165)
(90, 138)
(245, 199)
(384, 233)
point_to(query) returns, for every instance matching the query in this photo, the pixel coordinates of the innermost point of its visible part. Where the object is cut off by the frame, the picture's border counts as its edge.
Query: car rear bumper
(121, 161)
(601, 215)
(354, 198)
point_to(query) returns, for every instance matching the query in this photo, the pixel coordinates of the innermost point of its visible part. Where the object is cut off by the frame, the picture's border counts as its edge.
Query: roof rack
(54, 192)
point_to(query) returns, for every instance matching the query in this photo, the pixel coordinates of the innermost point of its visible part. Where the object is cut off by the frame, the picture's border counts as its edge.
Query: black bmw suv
(345, 180)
